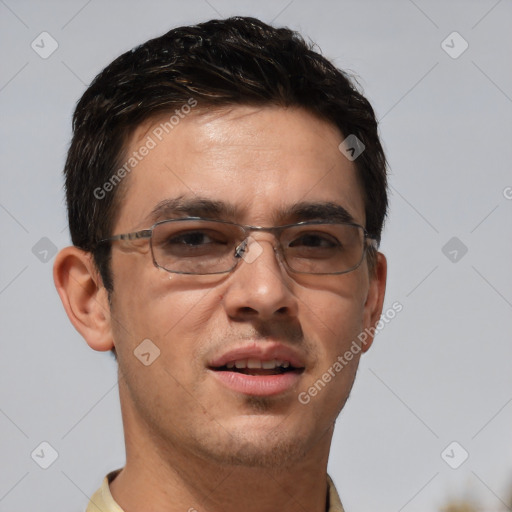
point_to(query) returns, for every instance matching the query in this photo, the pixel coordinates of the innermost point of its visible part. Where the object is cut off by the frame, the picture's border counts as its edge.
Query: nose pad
(249, 250)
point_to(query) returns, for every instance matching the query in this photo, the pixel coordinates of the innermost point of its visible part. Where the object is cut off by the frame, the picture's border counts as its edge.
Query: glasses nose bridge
(274, 231)
(275, 241)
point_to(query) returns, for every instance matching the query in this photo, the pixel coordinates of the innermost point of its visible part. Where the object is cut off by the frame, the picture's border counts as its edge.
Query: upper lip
(264, 351)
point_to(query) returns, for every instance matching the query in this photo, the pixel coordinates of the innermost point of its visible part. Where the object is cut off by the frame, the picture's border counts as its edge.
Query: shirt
(102, 501)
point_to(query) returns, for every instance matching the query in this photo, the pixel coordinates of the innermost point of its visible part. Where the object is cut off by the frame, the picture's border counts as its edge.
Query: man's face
(258, 164)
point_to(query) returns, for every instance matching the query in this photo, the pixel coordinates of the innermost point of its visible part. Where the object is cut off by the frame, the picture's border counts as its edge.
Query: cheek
(170, 310)
(332, 320)
(332, 331)
(334, 316)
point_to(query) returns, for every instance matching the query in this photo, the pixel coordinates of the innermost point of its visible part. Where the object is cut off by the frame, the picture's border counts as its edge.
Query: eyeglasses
(195, 245)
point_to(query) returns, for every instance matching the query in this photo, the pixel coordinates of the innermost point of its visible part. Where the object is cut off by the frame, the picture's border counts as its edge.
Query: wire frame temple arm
(145, 233)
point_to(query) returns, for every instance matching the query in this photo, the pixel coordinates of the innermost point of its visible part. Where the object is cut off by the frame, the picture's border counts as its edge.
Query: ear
(374, 300)
(83, 296)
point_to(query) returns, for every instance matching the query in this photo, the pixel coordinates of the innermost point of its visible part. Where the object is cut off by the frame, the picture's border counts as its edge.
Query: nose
(260, 287)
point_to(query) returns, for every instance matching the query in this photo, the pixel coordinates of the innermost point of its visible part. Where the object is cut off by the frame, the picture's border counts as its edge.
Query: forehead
(257, 162)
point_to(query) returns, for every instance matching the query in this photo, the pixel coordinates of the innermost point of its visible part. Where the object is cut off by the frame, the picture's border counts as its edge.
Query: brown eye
(315, 240)
(195, 238)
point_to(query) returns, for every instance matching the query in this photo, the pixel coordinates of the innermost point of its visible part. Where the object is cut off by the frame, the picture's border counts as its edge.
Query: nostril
(246, 310)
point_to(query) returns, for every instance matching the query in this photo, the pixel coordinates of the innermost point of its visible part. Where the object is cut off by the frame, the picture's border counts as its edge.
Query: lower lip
(261, 385)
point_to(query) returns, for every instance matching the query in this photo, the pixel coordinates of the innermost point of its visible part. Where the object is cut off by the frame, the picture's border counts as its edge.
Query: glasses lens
(195, 246)
(323, 248)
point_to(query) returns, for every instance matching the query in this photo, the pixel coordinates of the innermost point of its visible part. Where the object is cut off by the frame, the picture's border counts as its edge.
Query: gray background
(439, 372)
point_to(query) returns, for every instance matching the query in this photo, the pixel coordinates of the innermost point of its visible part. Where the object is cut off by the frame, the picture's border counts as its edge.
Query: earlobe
(83, 296)
(374, 300)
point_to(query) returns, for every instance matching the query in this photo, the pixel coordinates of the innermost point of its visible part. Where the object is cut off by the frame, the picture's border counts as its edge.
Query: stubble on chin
(271, 452)
(278, 448)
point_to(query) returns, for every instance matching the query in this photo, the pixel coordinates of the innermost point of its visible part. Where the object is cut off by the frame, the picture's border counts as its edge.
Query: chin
(254, 445)
(278, 454)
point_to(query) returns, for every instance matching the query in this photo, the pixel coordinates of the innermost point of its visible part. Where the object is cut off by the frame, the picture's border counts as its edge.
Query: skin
(190, 442)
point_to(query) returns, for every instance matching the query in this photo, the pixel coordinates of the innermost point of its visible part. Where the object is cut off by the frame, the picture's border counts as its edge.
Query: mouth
(258, 376)
(258, 367)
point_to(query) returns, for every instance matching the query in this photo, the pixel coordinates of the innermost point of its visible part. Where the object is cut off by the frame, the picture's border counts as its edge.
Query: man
(226, 190)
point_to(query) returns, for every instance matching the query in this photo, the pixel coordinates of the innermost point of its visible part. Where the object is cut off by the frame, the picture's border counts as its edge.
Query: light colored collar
(102, 500)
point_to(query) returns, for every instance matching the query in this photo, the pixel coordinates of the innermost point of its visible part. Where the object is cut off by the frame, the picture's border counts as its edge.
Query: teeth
(257, 363)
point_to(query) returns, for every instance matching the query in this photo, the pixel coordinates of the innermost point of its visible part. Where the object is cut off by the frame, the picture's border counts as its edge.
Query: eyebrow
(318, 211)
(183, 206)
(191, 207)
